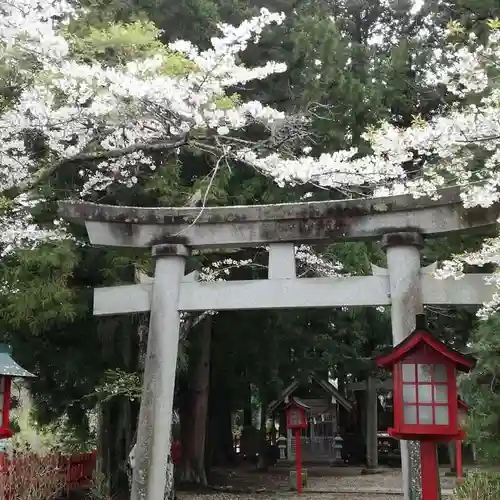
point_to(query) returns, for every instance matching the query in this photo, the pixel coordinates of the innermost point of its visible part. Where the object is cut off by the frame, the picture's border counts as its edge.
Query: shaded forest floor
(325, 483)
(321, 479)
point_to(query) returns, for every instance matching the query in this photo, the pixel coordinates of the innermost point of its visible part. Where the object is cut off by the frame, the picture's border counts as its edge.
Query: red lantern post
(296, 420)
(425, 397)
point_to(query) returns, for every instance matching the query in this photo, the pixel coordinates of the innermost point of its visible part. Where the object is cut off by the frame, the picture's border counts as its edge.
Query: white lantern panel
(440, 374)
(425, 415)
(409, 393)
(410, 414)
(441, 393)
(408, 372)
(441, 414)
(425, 393)
(424, 373)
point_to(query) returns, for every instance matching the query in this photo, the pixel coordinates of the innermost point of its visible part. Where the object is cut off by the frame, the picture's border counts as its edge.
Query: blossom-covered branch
(111, 118)
(458, 147)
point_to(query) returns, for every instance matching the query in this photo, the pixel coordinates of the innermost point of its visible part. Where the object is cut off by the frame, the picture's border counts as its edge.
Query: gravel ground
(388, 479)
(288, 496)
(324, 483)
(329, 488)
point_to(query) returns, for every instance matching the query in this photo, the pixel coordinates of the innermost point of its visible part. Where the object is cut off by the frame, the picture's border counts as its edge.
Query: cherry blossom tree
(113, 118)
(458, 147)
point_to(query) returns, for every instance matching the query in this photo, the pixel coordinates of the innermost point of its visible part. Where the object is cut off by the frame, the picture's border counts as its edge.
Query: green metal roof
(9, 367)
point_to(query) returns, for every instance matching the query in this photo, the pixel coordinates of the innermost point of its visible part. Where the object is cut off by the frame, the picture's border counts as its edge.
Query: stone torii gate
(401, 223)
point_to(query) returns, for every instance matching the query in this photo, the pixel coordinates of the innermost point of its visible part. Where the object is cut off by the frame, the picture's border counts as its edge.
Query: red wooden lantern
(296, 414)
(296, 420)
(425, 387)
(9, 369)
(425, 396)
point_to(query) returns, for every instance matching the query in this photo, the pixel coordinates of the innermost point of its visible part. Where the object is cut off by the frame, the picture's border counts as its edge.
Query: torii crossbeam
(401, 223)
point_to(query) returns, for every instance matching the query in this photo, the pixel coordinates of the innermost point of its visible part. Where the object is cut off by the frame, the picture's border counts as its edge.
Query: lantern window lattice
(425, 393)
(295, 417)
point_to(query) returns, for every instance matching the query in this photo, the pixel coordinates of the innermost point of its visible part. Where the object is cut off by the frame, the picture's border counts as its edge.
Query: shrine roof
(324, 384)
(418, 337)
(363, 218)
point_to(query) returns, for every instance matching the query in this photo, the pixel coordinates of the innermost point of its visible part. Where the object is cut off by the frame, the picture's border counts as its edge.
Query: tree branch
(117, 153)
(45, 172)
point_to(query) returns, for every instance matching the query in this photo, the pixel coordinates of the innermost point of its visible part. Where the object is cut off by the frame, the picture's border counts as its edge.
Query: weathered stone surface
(290, 293)
(240, 226)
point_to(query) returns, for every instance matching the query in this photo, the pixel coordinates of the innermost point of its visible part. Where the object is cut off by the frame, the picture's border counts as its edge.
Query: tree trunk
(263, 461)
(118, 415)
(117, 422)
(220, 449)
(343, 414)
(249, 441)
(220, 440)
(194, 416)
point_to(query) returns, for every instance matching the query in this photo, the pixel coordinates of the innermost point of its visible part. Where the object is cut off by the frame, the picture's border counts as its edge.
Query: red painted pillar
(430, 472)
(298, 461)
(458, 461)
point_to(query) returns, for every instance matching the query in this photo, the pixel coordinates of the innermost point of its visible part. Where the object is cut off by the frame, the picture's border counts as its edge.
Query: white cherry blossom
(114, 115)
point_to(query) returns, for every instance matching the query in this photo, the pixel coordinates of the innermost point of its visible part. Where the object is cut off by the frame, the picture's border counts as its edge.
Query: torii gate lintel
(288, 293)
(256, 225)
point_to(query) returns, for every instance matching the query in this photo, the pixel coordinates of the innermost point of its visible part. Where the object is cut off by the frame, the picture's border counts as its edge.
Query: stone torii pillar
(403, 265)
(155, 416)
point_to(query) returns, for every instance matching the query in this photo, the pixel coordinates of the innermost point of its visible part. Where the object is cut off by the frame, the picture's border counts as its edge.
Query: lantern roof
(294, 401)
(421, 336)
(462, 405)
(9, 367)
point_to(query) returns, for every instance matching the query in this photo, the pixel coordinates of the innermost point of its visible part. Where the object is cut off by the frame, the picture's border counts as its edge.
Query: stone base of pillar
(292, 479)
